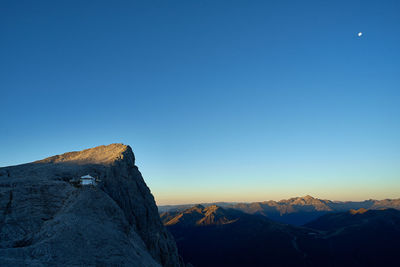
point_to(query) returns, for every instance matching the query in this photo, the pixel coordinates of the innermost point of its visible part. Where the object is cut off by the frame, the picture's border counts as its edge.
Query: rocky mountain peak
(51, 220)
(212, 208)
(197, 208)
(105, 154)
(200, 216)
(359, 211)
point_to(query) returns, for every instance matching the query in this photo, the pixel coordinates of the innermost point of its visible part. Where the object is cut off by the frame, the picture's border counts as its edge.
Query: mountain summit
(104, 155)
(200, 215)
(51, 218)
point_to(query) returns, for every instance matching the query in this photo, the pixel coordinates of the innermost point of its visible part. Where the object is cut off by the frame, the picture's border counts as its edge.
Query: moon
(360, 34)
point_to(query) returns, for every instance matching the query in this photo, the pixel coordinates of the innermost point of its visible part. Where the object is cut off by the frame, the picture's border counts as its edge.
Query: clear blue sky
(220, 100)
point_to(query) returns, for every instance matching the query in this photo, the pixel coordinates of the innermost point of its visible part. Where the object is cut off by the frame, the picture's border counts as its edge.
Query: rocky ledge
(48, 218)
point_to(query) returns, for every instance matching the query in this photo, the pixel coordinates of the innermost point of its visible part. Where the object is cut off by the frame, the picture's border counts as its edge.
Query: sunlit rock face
(48, 218)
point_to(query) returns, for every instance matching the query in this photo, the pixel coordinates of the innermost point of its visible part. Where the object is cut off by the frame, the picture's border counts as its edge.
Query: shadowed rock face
(47, 219)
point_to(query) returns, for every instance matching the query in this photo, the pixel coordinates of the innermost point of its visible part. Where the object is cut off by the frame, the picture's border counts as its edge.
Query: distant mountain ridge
(199, 215)
(216, 236)
(372, 218)
(297, 210)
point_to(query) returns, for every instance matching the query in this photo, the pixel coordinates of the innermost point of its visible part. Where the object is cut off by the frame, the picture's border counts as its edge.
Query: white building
(88, 180)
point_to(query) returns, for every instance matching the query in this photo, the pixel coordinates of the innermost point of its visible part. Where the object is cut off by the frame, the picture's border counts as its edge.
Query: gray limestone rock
(48, 219)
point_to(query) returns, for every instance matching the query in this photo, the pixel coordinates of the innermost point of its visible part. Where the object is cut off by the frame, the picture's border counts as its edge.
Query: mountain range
(297, 210)
(216, 236)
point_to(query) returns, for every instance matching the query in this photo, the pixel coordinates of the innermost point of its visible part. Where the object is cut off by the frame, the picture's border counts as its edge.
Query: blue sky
(220, 100)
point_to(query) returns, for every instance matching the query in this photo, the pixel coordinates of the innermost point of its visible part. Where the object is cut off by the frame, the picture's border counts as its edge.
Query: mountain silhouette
(300, 210)
(297, 210)
(216, 236)
(364, 237)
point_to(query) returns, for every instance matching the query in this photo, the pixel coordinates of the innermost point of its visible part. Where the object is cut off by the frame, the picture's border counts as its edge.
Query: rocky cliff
(48, 219)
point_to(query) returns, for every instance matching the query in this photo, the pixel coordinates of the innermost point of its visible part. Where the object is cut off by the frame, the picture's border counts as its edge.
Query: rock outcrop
(48, 219)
